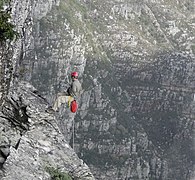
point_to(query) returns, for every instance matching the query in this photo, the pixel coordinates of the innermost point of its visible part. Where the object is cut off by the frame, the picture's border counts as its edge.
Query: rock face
(136, 64)
(31, 141)
(31, 144)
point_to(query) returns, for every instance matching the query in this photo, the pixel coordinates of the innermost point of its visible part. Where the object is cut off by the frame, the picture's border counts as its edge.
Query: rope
(73, 134)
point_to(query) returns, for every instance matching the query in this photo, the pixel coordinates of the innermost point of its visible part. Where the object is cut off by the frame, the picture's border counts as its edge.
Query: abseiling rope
(73, 134)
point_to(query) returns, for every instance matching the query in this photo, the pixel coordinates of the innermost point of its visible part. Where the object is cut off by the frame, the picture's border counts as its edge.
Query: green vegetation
(76, 16)
(193, 48)
(84, 25)
(6, 28)
(70, 8)
(2, 2)
(57, 175)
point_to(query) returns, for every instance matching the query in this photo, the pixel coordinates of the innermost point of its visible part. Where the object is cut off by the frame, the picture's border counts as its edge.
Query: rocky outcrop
(31, 141)
(12, 53)
(138, 81)
(136, 64)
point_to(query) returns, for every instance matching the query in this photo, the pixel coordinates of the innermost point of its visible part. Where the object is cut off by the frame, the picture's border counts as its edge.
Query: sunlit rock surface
(31, 141)
(136, 64)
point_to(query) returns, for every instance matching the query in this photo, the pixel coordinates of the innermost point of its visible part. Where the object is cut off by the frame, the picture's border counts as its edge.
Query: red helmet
(74, 74)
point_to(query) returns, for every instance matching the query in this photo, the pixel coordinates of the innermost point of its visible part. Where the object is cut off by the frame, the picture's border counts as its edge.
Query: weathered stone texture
(136, 63)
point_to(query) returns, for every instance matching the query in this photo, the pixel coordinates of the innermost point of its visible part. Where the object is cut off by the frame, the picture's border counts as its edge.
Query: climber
(71, 94)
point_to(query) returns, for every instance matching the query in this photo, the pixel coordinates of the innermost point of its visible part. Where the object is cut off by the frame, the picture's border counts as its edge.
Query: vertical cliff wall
(135, 119)
(136, 64)
(31, 144)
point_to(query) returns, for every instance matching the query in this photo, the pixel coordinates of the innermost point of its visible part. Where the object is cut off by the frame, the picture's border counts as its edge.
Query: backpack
(73, 106)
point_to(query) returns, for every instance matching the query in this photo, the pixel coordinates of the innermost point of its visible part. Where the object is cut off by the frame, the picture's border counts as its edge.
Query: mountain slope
(136, 64)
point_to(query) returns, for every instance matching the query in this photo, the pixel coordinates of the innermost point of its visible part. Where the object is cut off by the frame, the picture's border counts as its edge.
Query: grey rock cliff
(135, 119)
(33, 140)
(30, 138)
(136, 62)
